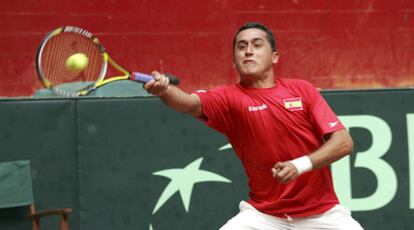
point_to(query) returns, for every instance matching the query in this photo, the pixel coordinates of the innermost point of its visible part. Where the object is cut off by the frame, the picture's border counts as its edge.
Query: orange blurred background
(341, 44)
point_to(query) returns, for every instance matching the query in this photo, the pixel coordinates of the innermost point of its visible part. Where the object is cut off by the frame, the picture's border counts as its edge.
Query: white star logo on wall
(226, 146)
(183, 180)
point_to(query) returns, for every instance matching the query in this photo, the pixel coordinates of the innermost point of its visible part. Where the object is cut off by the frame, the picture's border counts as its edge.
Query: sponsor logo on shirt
(257, 108)
(293, 104)
(201, 91)
(332, 124)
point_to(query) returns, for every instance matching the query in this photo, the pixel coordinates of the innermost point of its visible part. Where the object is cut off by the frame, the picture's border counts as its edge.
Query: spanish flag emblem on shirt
(293, 104)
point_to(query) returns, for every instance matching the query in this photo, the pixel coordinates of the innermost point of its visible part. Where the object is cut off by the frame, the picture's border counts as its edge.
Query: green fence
(132, 163)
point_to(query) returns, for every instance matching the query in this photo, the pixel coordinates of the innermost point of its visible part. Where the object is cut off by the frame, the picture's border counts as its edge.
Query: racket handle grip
(141, 77)
(144, 78)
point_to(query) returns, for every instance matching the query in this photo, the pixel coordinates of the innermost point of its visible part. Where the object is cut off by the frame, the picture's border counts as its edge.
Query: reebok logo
(257, 108)
(332, 124)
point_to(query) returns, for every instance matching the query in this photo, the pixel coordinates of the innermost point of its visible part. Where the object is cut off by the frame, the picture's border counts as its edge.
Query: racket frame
(104, 67)
(135, 76)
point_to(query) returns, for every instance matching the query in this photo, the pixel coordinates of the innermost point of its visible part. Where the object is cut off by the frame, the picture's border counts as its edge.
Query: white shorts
(337, 218)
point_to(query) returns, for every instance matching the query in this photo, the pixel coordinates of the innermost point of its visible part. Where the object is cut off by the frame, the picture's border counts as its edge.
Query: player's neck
(258, 82)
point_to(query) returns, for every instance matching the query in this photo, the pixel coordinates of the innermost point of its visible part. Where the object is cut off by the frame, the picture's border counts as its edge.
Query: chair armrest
(51, 212)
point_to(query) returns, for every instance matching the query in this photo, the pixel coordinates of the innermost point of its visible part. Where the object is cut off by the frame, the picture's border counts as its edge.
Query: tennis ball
(77, 62)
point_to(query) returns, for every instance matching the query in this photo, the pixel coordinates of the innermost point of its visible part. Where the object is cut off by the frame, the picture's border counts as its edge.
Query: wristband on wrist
(302, 164)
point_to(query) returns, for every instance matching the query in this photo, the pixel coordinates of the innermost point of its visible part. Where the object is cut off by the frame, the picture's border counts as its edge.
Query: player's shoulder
(297, 84)
(294, 82)
(222, 89)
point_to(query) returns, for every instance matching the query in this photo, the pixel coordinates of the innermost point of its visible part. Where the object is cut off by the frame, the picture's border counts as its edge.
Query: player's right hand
(284, 172)
(159, 85)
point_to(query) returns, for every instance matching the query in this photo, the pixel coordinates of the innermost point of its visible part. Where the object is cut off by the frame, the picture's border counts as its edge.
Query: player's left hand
(284, 172)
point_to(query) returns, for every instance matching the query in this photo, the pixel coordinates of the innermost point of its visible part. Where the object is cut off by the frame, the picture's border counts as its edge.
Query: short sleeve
(322, 115)
(215, 107)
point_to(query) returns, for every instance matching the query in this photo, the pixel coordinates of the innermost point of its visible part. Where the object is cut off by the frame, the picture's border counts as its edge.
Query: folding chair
(16, 191)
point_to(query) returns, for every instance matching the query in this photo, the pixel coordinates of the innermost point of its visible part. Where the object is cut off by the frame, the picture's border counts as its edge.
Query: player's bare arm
(173, 96)
(338, 144)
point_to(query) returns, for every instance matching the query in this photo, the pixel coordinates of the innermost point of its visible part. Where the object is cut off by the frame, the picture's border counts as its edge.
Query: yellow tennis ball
(77, 62)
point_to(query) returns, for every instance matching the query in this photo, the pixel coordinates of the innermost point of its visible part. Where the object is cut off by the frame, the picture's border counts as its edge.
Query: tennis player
(283, 131)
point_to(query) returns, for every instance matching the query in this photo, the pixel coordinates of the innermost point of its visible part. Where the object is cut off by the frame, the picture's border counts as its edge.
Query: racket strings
(57, 51)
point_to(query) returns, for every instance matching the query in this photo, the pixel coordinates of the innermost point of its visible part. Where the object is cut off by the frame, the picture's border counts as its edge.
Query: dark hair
(257, 25)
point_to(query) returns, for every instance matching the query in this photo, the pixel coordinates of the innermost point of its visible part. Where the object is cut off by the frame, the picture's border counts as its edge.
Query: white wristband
(302, 164)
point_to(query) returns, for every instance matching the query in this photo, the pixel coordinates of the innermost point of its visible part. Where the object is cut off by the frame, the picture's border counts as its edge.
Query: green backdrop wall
(132, 163)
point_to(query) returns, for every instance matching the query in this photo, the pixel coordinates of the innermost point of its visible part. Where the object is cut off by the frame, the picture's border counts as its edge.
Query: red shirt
(268, 125)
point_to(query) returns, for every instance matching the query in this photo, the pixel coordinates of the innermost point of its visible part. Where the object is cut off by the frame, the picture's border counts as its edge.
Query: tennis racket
(72, 62)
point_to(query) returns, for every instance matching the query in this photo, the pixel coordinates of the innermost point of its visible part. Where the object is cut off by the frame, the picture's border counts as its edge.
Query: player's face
(253, 55)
